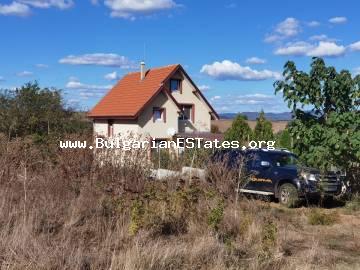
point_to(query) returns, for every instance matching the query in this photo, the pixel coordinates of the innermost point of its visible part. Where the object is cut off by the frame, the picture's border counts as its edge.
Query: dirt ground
(332, 246)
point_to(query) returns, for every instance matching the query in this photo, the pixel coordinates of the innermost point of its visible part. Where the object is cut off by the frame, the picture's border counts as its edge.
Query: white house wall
(100, 127)
(125, 127)
(202, 121)
(159, 129)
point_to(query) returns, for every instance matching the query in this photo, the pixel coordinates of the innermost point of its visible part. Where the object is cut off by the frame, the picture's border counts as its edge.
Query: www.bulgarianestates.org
(190, 143)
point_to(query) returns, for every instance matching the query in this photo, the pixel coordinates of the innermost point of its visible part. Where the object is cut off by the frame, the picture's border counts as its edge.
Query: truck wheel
(288, 195)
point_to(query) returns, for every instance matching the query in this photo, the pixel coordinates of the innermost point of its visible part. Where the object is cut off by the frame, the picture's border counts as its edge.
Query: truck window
(284, 160)
(254, 160)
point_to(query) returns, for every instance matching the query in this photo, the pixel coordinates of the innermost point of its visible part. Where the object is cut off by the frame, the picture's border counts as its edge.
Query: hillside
(284, 116)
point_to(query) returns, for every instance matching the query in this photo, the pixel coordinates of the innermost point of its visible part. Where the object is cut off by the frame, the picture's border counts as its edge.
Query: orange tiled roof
(129, 96)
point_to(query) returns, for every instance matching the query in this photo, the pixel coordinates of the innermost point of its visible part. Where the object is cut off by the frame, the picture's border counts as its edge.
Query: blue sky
(233, 50)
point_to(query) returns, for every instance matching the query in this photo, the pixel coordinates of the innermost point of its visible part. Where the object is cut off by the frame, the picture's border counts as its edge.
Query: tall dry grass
(63, 209)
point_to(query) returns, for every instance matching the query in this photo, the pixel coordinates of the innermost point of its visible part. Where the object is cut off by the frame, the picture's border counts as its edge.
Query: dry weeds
(61, 209)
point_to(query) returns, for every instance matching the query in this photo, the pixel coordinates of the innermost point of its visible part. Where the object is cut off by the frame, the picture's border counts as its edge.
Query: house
(160, 103)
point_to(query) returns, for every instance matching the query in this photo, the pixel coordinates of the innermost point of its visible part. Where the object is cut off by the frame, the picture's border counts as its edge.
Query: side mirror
(265, 164)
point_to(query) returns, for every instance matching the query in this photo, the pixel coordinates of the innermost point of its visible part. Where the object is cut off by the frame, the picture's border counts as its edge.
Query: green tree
(325, 103)
(283, 139)
(263, 129)
(31, 110)
(239, 130)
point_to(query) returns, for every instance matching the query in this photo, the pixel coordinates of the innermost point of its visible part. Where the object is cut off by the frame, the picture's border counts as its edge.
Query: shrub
(216, 216)
(166, 224)
(317, 217)
(353, 204)
(136, 217)
(269, 236)
(245, 222)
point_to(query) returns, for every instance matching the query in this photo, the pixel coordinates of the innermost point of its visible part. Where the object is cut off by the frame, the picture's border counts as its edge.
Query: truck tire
(288, 195)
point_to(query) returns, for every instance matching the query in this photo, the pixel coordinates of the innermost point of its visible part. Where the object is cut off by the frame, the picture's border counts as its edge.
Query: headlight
(313, 177)
(309, 176)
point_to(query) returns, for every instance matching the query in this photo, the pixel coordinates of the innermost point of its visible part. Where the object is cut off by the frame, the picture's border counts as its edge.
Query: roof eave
(123, 117)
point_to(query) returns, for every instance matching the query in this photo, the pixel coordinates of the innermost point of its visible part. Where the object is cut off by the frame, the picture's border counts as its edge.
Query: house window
(187, 112)
(159, 115)
(175, 85)
(110, 128)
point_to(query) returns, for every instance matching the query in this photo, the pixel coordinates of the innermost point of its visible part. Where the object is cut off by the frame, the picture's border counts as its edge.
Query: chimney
(142, 70)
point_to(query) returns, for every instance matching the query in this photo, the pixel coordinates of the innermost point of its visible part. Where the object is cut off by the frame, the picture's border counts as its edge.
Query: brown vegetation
(61, 209)
(223, 124)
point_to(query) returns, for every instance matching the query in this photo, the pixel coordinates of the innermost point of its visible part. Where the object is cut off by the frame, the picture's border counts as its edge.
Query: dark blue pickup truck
(278, 173)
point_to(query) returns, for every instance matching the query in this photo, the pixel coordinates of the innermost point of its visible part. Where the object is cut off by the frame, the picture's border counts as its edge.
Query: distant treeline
(252, 116)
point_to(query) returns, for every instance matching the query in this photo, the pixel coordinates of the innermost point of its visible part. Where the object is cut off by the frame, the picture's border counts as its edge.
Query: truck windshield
(284, 160)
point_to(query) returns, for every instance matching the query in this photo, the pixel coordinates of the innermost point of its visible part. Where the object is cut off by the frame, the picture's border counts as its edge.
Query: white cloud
(321, 37)
(356, 71)
(73, 78)
(355, 46)
(87, 95)
(73, 101)
(61, 4)
(260, 96)
(272, 38)
(313, 24)
(204, 87)
(111, 76)
(215, 98)
(255, 60)
(87, 90)
(23, 7)
(98, 59)
(227, 70)
(14, 9)
(296, 48)
(41, 66)
(248, 102)
(290, 27)
(253, 99)
(74, 83)
(327, 49)
(131, 9)
(338, 20)
(24, 74)
(322, 49)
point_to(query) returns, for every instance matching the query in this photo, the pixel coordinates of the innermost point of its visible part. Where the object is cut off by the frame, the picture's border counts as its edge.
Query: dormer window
(175, 85)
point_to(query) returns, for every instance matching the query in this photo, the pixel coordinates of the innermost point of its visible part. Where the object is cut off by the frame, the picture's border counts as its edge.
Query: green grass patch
(354, 204)
(318, 217)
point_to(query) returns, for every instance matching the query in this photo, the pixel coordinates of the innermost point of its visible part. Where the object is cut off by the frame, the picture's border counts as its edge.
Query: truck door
(260, 173)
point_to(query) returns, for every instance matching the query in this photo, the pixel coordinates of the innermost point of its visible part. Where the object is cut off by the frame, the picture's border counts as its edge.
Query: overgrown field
(60, 209)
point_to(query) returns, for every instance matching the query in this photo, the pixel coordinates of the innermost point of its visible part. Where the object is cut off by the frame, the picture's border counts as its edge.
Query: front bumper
(324, 187)
(308, 188)
(330, 188)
